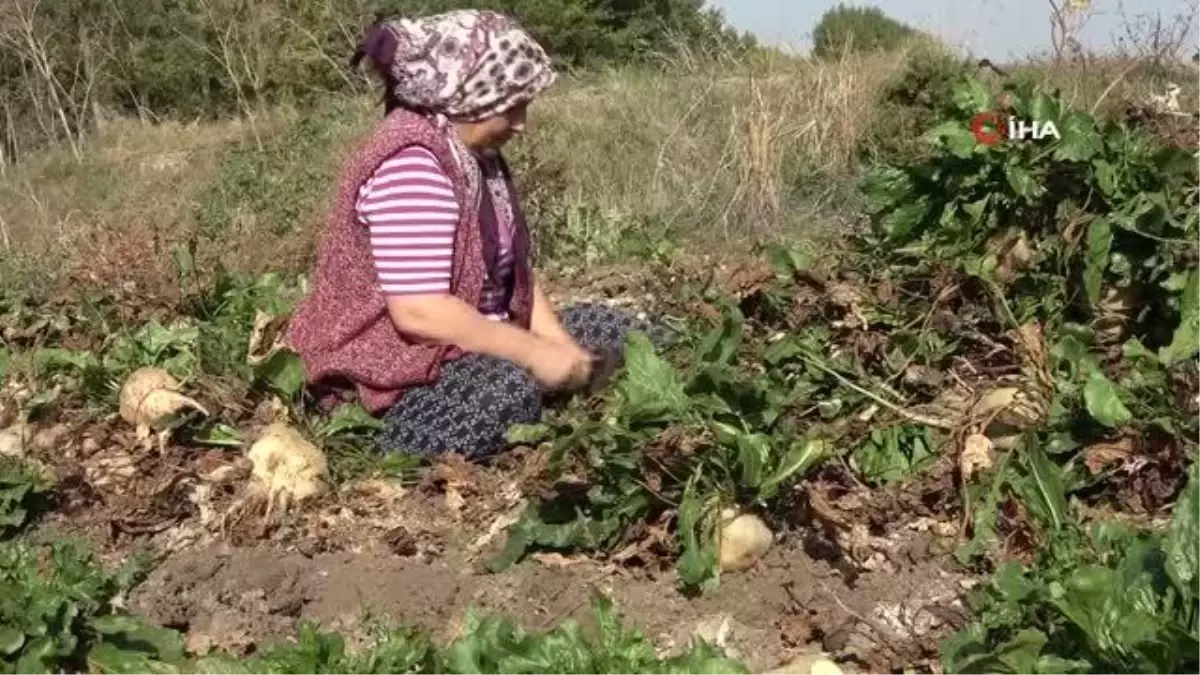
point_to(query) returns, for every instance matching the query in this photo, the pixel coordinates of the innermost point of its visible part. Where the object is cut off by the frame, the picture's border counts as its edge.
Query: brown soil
(413, 552)
(237, 598)
(863, 575)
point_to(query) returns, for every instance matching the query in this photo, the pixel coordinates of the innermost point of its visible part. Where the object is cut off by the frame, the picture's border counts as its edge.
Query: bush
(859, 29)
(910, 104)
(184, 59)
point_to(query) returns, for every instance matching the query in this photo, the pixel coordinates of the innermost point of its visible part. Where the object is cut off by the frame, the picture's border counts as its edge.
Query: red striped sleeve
(409, 209)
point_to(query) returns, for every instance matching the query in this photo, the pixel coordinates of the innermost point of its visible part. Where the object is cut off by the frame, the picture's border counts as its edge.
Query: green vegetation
(1015, 324)
(64, 614)
(858, 29)
(64, 63)
(1108, 600)
(24, 494)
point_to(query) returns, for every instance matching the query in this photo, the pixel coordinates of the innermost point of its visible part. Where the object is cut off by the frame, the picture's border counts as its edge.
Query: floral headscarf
(466, 65)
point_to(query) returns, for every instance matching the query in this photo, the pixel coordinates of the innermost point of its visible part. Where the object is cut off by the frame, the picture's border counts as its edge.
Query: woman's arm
(410, 212)
(544, 321)
(446, 319)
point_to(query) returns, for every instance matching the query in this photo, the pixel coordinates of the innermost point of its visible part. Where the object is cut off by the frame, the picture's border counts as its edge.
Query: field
(957, 383)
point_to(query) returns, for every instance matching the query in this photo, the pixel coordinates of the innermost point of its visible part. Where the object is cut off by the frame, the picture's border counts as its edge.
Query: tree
(858, 29)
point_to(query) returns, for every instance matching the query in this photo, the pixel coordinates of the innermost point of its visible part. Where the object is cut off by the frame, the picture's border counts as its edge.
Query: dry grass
(722, 152)
(750, 149)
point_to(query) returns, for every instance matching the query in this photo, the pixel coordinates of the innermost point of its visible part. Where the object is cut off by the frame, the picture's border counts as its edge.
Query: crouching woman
(424, 300)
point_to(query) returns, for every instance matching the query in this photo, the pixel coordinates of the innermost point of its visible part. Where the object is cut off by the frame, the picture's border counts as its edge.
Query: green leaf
(349, 418)
(698, 560)
(1106, 177)
(886, 187)
(185, 261)
(649, 387)
(803, 456)
(893, 454)
(1018, 655)
(1080, 140)
(1022, 181)
(1099, 243)
(899, 224)
(722, 343)
(282, 372)
(219, 434)
(787, 260)
(1103, 401)
(956, 137)
(971, 95)
(1185, 344)
(1042, 108)
(527, 434)
(754, 451)
(11, 640)
(109, 658)
(1047, 480)
(130, 632)
(1183, 561)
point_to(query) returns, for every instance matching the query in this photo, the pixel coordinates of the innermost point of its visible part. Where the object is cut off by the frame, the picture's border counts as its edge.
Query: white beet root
(744, 539)
(286, 466)
(151, 394)
(15, 439)
(808, 664)
(825, 667)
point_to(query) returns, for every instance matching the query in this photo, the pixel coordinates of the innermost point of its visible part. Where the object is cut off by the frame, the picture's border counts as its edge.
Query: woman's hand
(561, 367)
(445, 319)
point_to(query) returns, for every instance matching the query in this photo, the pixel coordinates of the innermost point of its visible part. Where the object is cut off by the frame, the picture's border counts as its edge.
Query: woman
(424, 299)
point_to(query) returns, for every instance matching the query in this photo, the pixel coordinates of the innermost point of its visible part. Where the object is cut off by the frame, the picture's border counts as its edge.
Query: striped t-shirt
(409, 208)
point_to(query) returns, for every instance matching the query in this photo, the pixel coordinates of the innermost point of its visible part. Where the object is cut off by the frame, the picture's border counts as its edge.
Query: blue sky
(997, 29)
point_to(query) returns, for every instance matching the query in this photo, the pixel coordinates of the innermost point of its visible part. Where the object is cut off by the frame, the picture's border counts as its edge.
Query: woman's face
(492, 133)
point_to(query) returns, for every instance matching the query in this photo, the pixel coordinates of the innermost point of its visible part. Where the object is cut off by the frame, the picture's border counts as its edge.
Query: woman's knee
(599, 327)
(467, 411)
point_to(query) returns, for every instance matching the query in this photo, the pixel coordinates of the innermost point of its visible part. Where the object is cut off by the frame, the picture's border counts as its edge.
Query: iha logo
(991, 128)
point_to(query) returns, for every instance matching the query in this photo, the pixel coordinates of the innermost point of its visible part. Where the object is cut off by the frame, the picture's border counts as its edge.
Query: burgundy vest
(342, 330)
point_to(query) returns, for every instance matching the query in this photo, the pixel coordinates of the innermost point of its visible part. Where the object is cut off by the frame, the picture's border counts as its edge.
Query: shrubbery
(858, 29)
(60, 62)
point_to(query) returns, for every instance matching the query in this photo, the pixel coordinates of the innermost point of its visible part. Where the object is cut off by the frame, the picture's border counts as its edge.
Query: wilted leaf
(976, 455)
(1099, 456)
